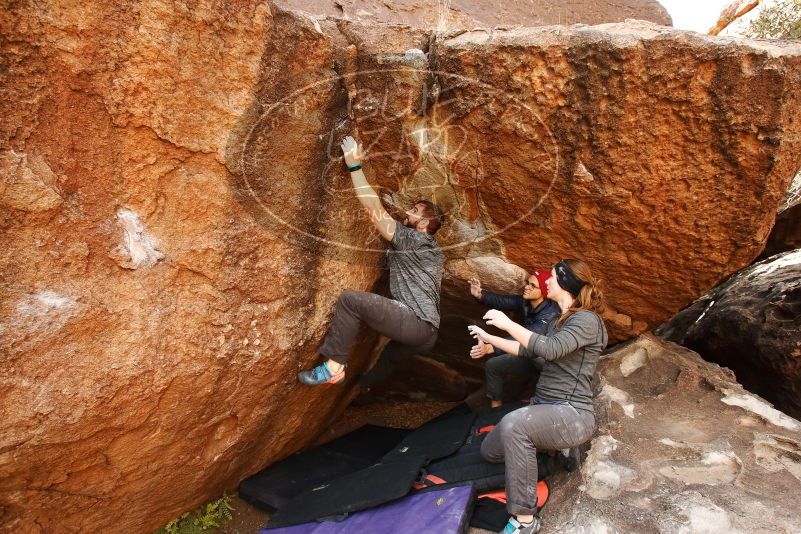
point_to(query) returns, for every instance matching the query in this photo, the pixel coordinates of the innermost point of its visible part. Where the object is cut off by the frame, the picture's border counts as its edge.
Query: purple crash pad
(444, 512)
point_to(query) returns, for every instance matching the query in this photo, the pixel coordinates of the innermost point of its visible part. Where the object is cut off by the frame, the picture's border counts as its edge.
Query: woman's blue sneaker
(321, 375)
(516, 527)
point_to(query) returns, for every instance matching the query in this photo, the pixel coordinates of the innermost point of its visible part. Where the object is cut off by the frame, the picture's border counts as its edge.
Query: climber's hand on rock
(475, 287)
(353, 151)
(498, 319)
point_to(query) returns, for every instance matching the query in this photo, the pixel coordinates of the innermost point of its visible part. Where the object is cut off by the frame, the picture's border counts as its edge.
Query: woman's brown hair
(590, 297)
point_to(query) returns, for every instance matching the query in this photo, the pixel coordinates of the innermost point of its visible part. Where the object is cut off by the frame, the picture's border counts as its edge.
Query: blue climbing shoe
(320, 375)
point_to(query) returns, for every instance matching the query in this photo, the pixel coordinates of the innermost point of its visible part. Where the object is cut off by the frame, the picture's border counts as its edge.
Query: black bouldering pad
(435, 439)
(377, 484)
(275, 486)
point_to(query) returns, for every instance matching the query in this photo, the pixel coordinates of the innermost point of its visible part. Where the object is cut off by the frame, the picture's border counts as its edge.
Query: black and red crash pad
(466, 465)
(489, 512)
(435, 439)
(389, 479)
(275, 486)
(442, 454)
(375, 485)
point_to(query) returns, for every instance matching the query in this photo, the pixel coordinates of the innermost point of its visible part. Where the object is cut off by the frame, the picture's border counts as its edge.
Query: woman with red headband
(561, 414)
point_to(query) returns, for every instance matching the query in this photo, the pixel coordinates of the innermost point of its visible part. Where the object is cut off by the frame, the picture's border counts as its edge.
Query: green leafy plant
(204, 520)
(779, 20)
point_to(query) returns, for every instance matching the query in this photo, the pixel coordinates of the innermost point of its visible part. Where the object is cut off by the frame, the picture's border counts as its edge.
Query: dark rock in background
(786, 233)
(751, 324)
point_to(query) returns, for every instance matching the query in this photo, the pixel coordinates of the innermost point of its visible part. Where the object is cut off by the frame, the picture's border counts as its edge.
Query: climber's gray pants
(515, 441)
(408, 333)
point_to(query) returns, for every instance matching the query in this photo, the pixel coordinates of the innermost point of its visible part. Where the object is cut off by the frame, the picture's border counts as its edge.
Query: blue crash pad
(444, 512)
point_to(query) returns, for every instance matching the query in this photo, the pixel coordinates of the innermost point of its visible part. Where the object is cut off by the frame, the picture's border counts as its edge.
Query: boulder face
(176, 223)
(752, 325)
(625, 152)
(680, 447)
(447, 14)
(150, 329)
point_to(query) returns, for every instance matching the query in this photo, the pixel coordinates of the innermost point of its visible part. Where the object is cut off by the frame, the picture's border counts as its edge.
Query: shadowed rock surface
(751, 324)
(176, 223)
(786, 233)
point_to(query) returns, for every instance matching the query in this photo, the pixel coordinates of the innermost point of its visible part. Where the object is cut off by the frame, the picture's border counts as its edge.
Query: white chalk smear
(775, 453)
(604, 478)
(632, 362)
(137, 245)
(761, 408)
(692, 513)
(719, 458)
(708, 520)
(44, 311)
(708, 307)
(790, 259)
(620, 397)
(714, 468)
(584, 523)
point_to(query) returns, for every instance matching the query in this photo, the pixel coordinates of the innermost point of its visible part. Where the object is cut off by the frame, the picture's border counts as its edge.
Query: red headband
(542, 277)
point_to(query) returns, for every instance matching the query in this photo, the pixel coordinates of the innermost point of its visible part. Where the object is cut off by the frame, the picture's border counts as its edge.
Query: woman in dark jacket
(561, 414)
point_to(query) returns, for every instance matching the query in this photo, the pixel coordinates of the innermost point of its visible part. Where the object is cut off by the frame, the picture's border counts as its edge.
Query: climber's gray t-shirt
(415, 271)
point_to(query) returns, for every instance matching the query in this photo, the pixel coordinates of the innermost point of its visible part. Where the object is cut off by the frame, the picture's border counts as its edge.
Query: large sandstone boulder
(150, 330)
(176, 225)
(752, 325)
(680, 447)
(631, 177)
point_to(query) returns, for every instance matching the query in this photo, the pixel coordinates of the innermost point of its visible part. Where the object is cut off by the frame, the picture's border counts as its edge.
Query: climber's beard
(407, 224)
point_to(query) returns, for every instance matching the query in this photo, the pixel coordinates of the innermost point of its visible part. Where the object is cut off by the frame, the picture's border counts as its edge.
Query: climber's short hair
(434, 214)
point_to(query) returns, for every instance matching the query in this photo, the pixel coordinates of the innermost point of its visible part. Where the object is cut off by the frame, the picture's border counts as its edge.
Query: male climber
(410, 319)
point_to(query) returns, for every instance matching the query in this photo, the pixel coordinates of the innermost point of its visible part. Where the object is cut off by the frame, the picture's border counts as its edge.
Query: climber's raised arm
(364, 191)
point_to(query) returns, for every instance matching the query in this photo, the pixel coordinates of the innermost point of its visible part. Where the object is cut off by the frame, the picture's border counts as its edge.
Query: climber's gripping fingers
(352, 151)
